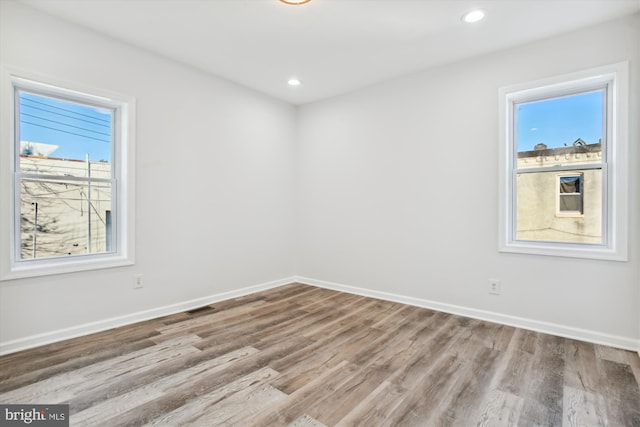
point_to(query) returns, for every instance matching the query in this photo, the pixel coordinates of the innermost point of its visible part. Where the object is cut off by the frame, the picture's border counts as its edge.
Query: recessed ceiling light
(473, 16)
(294, 82)
(295, 2)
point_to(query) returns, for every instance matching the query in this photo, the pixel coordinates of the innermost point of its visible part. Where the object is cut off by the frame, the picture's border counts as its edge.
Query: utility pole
(35, 227)
(88, 204)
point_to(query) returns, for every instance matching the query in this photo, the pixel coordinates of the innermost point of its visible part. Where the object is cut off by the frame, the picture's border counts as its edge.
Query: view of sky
(560, 121)
(78, 130)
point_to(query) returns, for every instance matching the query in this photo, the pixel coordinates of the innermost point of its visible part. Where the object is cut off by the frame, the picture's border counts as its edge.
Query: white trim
(114, 322)
(515, 321)
(595, 337)
(124, 169)
(616, 193)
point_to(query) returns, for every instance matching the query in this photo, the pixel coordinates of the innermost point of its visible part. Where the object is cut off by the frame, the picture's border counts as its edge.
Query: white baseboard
(114, 322)
(520, 322)
(624, 343)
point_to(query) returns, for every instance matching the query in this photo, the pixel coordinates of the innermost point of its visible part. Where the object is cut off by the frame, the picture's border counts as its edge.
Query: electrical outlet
(137, 284)
(494, 286)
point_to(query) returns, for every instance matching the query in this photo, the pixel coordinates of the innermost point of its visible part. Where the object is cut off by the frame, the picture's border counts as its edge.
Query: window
(564, 178)
(570, 195)
(70, 180)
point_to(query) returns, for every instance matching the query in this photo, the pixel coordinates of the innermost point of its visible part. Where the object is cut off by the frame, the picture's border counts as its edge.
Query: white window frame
(123, 161)
(615, 167)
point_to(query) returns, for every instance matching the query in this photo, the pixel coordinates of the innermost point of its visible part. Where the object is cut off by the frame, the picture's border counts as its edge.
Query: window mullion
(587, 166)
(61, 178)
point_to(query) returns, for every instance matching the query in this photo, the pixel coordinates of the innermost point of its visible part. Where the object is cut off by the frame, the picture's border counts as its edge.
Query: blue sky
(80, 130)
(77, 129)
(560, 121)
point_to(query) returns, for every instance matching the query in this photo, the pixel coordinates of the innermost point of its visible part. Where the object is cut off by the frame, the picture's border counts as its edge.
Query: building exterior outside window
(62, 218)
(560, 206)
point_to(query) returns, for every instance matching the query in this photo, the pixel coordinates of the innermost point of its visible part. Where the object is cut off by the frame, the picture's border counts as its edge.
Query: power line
(65, 124)
(63, 109)
(64, 115)
(64, 131)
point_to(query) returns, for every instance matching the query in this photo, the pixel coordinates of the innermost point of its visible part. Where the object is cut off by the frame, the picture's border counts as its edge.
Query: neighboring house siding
(63, 218)
(537, 196)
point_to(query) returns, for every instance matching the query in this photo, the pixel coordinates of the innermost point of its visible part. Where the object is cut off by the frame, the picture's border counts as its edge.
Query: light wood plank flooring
(304, 356)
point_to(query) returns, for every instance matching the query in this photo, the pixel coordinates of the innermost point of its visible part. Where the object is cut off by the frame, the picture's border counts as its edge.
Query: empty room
(320, 212)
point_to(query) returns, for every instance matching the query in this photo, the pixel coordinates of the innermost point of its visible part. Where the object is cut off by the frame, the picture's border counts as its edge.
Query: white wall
(398, 193)
(214, 184)
(392, 189)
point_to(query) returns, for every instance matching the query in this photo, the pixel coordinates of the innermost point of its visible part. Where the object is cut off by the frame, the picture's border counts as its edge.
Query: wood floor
(304, 356)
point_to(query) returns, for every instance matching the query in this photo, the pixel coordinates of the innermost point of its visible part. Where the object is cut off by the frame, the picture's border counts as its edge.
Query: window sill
(43, 267)
(585, 251)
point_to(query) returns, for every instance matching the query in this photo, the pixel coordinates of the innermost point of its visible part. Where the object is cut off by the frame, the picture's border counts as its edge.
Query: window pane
(67, 212)
(570, 203)
(61, 218)
(54, 128)
(540, 207)
(570, 184)
(560, 131)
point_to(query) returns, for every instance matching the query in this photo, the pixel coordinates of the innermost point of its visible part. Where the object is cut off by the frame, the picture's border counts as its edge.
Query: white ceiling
(333, 46)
